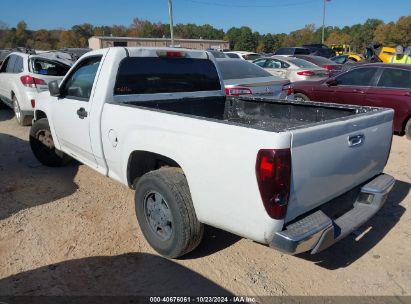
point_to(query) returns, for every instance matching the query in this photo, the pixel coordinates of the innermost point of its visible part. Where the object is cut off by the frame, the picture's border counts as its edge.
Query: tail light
(237, 91)
(172, 54)
(33, 103)
(306, 73)
(289, 89)
(328, 67)
(273, 171)
(31, 82)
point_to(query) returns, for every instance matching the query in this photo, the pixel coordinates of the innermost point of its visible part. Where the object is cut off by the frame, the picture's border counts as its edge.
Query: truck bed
(260, 113)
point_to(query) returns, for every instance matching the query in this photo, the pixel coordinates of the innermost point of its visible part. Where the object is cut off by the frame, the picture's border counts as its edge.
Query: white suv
(23, 76)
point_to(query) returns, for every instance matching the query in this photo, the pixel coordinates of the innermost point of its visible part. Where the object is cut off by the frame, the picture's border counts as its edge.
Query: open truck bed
(260, 113)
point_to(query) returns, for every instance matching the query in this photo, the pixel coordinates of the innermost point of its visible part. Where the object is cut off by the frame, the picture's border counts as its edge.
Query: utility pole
(322, 36)
(170, 14)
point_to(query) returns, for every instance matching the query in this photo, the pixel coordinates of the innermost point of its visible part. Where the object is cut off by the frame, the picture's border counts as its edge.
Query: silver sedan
(245, 78)
(294, 69)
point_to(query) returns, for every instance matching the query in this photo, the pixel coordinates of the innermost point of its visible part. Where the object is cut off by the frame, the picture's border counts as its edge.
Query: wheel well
(141, 162)
(405, 123)
(40, 115)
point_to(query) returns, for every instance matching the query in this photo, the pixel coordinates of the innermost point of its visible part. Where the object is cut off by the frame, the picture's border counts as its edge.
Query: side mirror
(331, 82)
(54, 88)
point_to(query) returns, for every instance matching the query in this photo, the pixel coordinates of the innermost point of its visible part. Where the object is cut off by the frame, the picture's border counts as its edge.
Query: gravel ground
(70, 231)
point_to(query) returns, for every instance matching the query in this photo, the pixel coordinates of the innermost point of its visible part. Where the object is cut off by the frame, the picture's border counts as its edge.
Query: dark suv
(292, 51)
(319, 49)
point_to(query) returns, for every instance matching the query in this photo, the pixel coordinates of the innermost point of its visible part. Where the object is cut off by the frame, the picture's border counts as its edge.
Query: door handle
(356, 140)
(358, 91)
(82, 113)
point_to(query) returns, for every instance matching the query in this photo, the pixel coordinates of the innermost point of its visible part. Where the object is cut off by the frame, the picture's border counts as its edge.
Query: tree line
(240, 38)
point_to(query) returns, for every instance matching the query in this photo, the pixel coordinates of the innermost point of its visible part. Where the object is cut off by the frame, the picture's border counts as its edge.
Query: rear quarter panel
(218, 160)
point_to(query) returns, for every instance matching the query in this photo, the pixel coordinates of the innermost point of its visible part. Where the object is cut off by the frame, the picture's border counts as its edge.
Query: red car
(376, 85)
(323, 62)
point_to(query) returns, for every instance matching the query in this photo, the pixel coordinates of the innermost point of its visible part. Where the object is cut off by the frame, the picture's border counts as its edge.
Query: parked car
(345, 58)
(158, 121)
(376, 85)
(218, 54)
(243, 55)
(292, 51)
(323, 62)
(245, 78)
(22, 77)
(294, 69)
(75, 53)
(319, 49)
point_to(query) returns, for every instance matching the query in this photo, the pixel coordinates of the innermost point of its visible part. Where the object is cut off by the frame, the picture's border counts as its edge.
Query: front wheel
(407, 129)
(166, 213)
(42, 145)
(301, 97)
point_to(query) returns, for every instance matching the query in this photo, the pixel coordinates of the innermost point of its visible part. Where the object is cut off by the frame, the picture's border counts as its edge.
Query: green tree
(246, 40)
(42, 40)
(22, 34)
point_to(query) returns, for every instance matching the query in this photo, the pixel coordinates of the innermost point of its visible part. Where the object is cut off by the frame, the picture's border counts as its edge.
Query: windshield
(236, 69)
(251, 56)
(301, 63)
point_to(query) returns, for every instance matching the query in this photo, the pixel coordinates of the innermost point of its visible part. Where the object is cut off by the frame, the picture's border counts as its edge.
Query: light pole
(170, 14)
(322, 36)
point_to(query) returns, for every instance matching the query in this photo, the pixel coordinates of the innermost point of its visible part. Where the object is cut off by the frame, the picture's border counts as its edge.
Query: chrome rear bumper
(317, 231)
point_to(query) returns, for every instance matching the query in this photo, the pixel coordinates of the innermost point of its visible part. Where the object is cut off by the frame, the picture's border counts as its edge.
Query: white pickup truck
(297, 176)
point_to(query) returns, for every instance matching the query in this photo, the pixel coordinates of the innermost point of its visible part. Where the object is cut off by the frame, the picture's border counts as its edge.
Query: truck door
(71, 111)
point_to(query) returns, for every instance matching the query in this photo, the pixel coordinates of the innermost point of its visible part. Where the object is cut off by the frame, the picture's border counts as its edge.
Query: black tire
(42, 145)
(407, 129)
(181, 232)
(22, 120)
(301, 97)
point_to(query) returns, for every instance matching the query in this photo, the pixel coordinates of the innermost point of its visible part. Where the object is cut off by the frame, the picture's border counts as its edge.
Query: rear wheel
(23, 120)
(166, 213)
(301, 97)
(407, 129)
(42, 145)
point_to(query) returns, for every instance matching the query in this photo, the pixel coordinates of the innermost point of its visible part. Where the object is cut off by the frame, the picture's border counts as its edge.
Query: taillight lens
(273, 171)
(171, 54)
(29, 81)
(328, 67)
(33, 103)
(306, 73)
(289, 89)
(237, 91)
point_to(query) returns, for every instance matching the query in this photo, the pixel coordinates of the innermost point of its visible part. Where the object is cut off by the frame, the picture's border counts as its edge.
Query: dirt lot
(70, 231)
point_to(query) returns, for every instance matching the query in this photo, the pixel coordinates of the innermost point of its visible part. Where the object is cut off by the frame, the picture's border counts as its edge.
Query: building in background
(99, 42)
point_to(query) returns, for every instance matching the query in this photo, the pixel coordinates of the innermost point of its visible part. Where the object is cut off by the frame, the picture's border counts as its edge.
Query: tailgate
(331, 158)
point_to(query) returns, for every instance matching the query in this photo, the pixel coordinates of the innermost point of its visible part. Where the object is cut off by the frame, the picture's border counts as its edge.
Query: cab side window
(80, 82)
(395, 78)
(357, 77)
(10, 64)
(18, 66)
(261, 62)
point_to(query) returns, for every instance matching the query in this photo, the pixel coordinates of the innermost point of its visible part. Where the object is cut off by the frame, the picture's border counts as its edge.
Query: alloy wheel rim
(17, 111)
